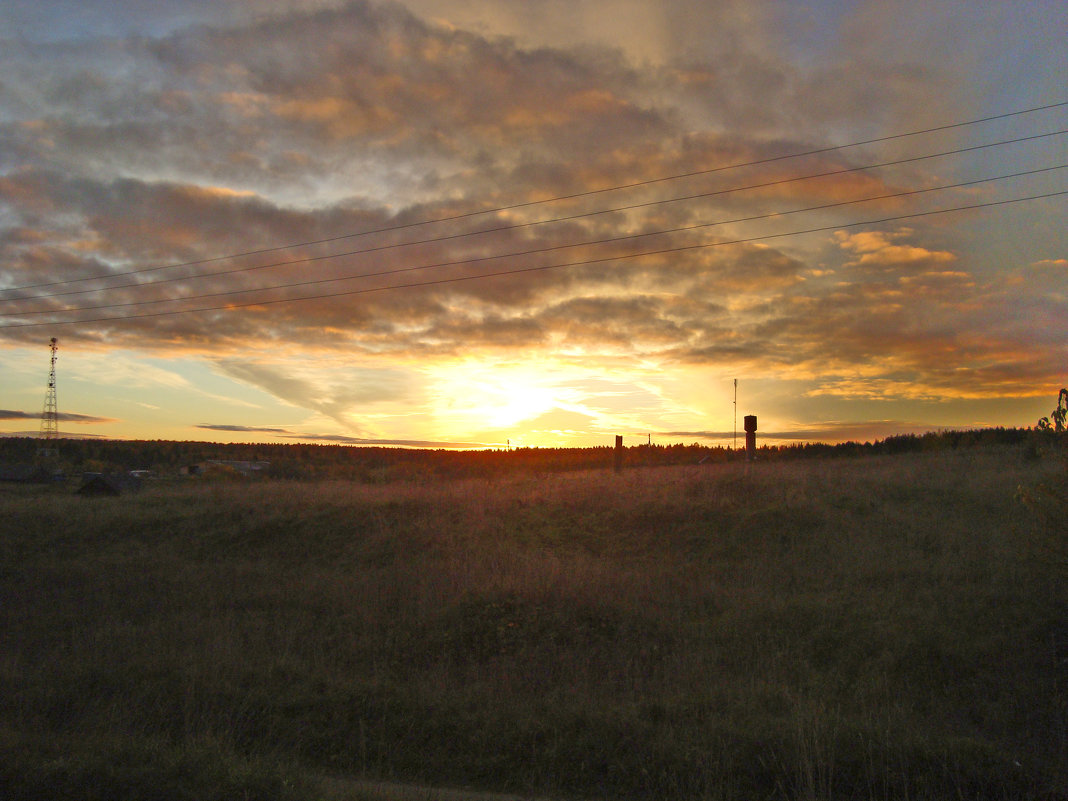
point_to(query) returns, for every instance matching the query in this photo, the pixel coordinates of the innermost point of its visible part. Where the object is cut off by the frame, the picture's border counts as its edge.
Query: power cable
(515, 226)
(517, 271)
(516, 254)
(574, 196)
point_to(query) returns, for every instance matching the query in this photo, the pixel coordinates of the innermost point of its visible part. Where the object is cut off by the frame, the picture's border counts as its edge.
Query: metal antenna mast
(50, 415)
(735, 447)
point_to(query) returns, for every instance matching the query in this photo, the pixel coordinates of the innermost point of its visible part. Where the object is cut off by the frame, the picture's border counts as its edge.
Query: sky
(482, 223)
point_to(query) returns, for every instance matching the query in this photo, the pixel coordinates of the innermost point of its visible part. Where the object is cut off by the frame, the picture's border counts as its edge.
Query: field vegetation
(887, 626)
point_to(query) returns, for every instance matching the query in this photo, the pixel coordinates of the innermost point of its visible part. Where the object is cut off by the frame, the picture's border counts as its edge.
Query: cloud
(1061, 265)
(60, 435)
(905, 320)
(129, 165)
(334, 390)
(8, 414)
(242, 429)
(338, 439)
(66, 417)
(386, 95)
(875, 249)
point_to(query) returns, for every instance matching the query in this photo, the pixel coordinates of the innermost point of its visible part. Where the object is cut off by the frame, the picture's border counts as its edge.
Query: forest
(379, 464)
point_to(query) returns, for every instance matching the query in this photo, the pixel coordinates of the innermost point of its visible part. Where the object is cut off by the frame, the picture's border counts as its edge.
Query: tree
(1049, 500)
(1058, 415)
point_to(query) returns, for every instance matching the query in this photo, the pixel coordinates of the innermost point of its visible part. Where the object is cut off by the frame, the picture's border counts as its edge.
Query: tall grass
(872, 629)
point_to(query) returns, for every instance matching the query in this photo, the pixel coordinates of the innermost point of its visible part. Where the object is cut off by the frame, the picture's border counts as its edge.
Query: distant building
(108, 484)
(226, 467)
(242, 467)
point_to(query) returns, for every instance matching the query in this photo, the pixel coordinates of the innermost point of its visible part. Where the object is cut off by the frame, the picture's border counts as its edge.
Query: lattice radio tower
(50, 416)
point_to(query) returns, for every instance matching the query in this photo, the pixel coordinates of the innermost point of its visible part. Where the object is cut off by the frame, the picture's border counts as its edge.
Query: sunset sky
(461, 223)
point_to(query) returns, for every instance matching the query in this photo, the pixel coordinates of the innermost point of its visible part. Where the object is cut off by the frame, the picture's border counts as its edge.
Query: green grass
(874, 628)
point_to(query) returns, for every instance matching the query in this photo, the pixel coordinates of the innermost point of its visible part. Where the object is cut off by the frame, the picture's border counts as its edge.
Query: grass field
(876, 628)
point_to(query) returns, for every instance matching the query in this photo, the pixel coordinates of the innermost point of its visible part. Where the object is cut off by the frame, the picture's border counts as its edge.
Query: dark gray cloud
(339, 439)
(61, 434)
(9, 414)
(66, 417)
(243, 429)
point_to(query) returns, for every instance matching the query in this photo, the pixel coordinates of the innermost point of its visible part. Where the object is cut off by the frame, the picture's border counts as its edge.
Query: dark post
(750, 437)
(619, 453)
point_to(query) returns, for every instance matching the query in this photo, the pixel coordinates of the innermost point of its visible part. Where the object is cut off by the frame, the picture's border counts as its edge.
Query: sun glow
(487, 396)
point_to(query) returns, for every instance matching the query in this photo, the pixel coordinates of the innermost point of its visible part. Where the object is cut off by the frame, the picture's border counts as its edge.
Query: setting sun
(476, 394)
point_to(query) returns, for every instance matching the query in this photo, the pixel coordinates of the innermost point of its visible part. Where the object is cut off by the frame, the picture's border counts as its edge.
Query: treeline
(368, 464)
(379, 464)
(912, 443)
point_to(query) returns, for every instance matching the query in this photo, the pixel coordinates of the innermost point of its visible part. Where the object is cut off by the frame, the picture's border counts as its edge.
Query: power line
(542, 268)
(535, 251)
(573, 196)
(515, 226)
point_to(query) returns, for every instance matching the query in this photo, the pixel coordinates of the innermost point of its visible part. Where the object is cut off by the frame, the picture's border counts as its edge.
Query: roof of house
(108, 484)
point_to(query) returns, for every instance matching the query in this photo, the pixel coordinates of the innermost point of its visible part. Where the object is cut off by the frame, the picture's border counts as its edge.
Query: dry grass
(825, 629)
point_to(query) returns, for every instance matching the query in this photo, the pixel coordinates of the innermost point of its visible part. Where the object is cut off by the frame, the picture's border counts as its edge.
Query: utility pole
(735, 446)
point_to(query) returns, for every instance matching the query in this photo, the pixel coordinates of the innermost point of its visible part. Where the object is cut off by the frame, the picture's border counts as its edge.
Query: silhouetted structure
(50, 415)
(750, 423)
(108, 484)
